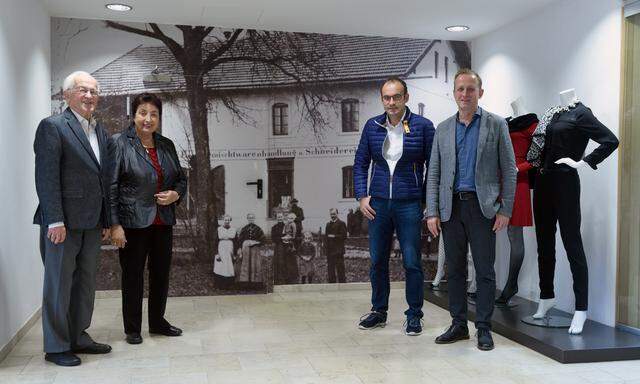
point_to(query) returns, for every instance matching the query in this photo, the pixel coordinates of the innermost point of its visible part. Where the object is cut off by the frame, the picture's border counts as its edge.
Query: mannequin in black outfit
(556, 198)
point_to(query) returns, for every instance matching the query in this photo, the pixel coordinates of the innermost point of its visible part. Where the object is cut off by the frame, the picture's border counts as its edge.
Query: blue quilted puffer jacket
(408, 178)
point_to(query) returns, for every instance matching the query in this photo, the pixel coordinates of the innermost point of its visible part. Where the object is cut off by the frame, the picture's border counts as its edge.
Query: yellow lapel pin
(405, 124)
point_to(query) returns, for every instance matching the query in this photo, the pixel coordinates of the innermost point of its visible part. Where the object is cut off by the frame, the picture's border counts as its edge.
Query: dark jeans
(154, 242)
(556, 199)
(335, 262)
(405, 216)
(468, 225)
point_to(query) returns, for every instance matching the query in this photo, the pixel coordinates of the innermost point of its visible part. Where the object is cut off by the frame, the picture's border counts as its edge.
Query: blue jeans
(405, 216)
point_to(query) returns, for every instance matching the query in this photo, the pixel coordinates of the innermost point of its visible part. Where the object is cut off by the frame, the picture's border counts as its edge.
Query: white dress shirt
(89, 128)
(392, 147)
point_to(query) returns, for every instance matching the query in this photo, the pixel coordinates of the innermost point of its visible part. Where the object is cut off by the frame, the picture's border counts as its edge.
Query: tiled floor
(296, 337)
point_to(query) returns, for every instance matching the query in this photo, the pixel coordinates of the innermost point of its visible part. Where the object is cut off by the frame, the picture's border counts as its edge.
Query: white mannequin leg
(441, 258)
(471, 273)
(577, 323)
(544, 305)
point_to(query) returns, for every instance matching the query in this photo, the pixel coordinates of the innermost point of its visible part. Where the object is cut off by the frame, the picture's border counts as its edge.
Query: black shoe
(94, 349)
(453, 334)
(505, 298)
(169, 331)
(485, 341)
(63, 359)
(372, 320)
(134, 338)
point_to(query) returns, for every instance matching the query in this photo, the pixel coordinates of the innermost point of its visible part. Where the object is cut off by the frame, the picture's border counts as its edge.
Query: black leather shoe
(63, 359)
(485, 341)
(94, 349)
(453, 334)
(134, 338)
(170, 331)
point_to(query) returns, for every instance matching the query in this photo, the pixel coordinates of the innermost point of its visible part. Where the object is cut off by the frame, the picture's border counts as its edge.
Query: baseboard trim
(4, 352)
(330, 287)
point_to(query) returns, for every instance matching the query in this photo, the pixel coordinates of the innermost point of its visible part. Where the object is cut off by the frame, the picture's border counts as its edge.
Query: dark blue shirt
(466, 152)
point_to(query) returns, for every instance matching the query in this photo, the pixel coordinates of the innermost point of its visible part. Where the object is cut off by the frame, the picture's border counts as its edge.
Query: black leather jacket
(133, 181)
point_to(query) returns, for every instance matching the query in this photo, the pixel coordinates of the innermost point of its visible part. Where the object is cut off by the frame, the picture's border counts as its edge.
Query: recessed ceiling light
(457, 28)
(119, 7)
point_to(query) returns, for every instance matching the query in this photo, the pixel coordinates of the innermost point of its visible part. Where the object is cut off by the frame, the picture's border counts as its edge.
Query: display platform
(598, 342)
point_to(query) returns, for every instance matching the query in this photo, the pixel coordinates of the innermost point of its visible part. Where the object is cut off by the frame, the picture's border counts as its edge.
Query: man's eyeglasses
(397, 98)
(83, 91)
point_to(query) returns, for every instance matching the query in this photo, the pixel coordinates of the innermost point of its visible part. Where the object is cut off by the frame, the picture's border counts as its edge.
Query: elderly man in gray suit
(71, 173)
(470, 190)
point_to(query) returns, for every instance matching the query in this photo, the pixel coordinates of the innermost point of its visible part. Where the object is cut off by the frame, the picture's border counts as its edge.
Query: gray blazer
(70, 182)
(495, 168)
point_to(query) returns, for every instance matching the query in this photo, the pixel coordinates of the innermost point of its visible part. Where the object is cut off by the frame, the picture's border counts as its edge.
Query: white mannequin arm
(570, 162)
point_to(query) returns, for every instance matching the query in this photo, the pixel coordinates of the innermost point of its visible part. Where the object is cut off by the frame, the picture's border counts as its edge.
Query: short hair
(333, 210)
(70, 81)
(143, 98)
(251, 215)
(467, 71)
(394, 79)
(227, 216)
(291, 215)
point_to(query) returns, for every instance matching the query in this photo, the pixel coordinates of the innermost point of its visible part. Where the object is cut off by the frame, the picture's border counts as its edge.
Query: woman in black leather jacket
(147, 183)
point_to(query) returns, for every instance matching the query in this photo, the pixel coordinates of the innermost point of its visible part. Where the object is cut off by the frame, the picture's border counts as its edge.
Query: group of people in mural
(240, 253)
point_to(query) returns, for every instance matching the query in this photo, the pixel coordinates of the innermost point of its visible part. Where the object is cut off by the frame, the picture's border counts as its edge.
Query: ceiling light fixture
(457, 28)
(119, 7)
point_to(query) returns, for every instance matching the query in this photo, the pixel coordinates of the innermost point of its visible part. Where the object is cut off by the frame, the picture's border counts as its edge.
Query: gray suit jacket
(70, 182)
(495, 168)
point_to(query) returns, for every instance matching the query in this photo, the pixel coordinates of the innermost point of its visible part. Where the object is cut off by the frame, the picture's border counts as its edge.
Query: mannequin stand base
(441, 287)
(597, 342)
(508, 305)
(549, 321)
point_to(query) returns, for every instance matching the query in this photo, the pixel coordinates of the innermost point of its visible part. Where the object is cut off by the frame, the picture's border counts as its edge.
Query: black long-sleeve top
(568, 134)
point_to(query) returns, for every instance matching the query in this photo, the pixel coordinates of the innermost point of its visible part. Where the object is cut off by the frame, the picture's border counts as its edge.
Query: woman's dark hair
(143, 98)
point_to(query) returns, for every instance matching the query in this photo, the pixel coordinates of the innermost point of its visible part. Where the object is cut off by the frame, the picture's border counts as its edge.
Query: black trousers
(556, 199)
(468, 225)
(155, 243)
(335, 262)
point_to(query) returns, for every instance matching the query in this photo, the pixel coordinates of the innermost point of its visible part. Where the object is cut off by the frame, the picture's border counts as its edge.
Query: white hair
(70, 81)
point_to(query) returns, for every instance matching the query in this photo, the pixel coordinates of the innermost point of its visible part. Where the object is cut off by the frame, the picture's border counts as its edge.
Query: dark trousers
(405, 216)
(468, 225)
(556, 199)
(335, 262)
(68, 288)
(154, 242)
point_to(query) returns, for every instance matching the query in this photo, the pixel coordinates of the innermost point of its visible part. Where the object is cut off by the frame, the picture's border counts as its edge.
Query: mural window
(348, 191)
(436, 56)
(350, 115)
(421, 109)
(280, 119)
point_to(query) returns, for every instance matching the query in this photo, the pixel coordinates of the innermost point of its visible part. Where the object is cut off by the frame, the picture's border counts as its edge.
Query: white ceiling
(409, 18)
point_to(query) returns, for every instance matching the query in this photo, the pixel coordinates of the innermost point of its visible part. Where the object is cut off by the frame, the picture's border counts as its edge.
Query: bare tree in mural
(298, 59)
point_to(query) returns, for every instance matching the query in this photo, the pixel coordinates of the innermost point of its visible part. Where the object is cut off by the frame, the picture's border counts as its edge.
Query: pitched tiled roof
(351, 58)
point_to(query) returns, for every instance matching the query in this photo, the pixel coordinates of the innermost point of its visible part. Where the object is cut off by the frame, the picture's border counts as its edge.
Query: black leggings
(556, 199)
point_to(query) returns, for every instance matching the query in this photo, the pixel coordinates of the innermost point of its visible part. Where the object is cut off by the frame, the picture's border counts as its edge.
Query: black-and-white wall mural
(266, 125)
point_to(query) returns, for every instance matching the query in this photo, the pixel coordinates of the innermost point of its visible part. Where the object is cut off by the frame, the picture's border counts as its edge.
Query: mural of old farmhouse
(266, 125)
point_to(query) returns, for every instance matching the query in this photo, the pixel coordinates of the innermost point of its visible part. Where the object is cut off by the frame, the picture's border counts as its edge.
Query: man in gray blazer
(71, 173)
(470, 190)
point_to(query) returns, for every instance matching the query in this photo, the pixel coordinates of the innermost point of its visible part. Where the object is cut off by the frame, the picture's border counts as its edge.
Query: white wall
(25, 79)
(571, 44)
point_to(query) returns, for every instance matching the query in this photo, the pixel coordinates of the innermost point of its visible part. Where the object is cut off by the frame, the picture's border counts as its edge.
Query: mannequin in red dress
(521, 128)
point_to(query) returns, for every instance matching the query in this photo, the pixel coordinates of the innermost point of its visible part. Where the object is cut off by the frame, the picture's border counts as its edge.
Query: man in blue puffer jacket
(397, 146)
